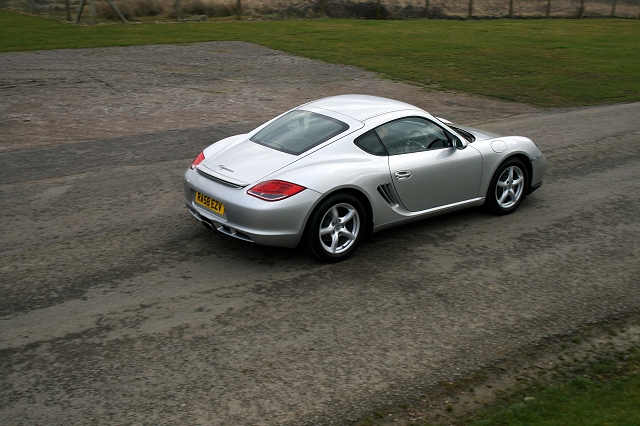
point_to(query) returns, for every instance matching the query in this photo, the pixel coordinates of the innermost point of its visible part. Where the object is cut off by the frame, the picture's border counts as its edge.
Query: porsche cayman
(330, 172)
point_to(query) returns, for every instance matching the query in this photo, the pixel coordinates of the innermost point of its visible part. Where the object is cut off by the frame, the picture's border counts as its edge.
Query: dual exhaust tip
(211, 225)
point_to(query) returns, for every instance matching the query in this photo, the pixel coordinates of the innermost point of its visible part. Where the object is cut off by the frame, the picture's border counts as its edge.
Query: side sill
(414, 216)
(534, 187)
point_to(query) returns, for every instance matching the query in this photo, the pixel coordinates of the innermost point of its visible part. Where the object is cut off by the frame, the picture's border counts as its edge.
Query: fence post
(581, 14)
(613, 9)
(470, 8)
(178, 17)
(66, 6)
(323, 11)
(239, 10)
(92, 7)
(80, 10)
(32, 3)
(426, 9)
(548, 8)
(511, 9)
(114, 7)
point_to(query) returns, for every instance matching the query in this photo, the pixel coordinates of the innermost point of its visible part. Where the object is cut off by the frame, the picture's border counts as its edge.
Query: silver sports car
(328, 173)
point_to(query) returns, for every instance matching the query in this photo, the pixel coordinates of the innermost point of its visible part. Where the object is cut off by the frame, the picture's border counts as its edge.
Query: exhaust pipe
(207, 225)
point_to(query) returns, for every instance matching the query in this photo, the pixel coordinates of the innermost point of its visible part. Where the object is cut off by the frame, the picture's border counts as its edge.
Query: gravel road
(117, 307)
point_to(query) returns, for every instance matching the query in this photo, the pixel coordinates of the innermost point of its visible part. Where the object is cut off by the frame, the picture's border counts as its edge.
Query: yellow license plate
(210, 203)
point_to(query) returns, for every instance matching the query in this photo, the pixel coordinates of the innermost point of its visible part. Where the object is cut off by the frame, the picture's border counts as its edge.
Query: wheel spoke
(334, 242)
(511, 174)
(502, 184)
(335, 217)
(517, 181)
(512, 195)
(503, 197)
(346, 218)
(325, 231)
(347, 234)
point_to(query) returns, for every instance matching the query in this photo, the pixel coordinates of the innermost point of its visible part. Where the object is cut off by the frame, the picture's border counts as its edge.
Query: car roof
(360, 107)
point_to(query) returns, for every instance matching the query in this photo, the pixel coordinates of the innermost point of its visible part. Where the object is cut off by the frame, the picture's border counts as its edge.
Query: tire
(336, 228)
(508, 187)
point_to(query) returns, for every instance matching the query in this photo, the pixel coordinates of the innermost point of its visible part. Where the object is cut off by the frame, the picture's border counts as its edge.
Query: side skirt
(534, 187)
(414, 216)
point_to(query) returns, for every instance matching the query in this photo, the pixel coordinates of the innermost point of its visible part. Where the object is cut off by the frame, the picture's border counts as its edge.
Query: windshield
(298, 131)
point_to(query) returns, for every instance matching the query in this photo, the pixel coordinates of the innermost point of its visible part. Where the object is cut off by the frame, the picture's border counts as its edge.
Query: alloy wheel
(509, 187)
(339, 228)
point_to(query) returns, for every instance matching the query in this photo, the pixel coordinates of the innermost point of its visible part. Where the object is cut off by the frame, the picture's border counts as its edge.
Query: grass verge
(610, 400)
(549, 63)
(590, 378)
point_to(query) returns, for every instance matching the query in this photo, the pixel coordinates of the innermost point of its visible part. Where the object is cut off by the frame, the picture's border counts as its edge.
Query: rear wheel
(508, 187)
(336, 228)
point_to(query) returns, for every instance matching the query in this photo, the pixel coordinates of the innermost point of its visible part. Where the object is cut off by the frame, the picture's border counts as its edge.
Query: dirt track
(118, 308)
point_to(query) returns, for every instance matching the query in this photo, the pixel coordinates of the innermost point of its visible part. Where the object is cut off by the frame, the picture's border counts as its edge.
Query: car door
(426, 167)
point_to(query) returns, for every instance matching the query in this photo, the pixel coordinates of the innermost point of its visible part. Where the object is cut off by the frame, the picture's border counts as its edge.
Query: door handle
(402, 175)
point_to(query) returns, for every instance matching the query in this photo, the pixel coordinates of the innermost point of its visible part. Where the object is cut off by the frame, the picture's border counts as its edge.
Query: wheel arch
(358, 194)
(527, 164)
(491, 204)
(520, 156)
(366, 204)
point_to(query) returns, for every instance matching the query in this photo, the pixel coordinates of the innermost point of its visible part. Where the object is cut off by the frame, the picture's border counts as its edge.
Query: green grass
(608, 396)
(541, 62)
(581, 402)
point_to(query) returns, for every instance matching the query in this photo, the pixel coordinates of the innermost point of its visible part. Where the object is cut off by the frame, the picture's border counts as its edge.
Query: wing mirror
(460, 144)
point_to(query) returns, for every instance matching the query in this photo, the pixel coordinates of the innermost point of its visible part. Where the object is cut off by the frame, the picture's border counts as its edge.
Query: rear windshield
(298, 131)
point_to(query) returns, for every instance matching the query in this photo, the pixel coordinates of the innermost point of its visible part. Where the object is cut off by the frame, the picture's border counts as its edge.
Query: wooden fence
(190, 10)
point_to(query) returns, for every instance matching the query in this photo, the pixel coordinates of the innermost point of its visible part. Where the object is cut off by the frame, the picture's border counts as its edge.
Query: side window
(412, 134)
(370, 143)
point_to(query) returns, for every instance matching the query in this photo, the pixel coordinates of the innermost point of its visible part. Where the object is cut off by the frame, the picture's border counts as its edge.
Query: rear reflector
(274, 190)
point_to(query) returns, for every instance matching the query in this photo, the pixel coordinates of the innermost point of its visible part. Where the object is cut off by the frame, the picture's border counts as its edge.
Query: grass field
(542, 62)
(612, 400)
(581, 402)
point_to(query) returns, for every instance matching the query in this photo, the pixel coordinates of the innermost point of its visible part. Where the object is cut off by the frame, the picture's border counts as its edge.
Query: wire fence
(202, 10)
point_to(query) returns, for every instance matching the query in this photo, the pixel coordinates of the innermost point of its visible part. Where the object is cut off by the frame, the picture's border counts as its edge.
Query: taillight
(197, 160)
(274, 190)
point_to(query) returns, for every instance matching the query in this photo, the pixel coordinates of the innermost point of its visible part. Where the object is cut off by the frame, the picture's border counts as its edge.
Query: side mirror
(460, 144)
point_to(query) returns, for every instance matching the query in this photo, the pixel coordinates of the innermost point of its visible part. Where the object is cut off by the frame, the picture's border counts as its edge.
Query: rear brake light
(274, 190)
(197, 160)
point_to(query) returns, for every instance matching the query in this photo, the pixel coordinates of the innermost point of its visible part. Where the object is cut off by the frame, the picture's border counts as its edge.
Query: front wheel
(336, 228)
(508, 187)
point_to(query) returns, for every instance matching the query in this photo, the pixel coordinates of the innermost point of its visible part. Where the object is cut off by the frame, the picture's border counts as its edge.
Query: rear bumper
(279, 223)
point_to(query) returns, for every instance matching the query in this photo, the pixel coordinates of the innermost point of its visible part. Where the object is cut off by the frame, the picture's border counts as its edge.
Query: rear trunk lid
(246, 162)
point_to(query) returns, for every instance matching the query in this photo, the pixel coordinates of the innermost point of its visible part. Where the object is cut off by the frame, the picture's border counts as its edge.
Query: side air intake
(386, 193)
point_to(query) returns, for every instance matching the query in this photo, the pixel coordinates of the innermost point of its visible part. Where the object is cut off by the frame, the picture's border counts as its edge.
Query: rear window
(299, 131)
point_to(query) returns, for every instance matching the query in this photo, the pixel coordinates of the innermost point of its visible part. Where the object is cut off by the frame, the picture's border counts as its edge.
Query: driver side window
(412, 134)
